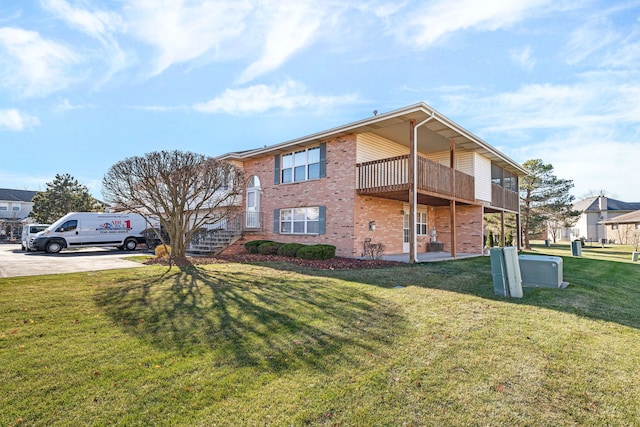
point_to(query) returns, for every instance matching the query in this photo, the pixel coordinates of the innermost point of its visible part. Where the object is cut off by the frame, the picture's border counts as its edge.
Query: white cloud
(589, 130)
(522, 57)
(425, 26)
(66, 105)
(14, 120)
(260, 98)
(32, 66)
(100, 25)
(290, 26)
(96, 24)
(182, 31)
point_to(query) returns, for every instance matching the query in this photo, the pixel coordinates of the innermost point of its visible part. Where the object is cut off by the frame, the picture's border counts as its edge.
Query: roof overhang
(434, 135)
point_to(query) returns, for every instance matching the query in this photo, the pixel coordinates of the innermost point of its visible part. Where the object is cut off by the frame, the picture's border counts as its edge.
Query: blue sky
(84, 84)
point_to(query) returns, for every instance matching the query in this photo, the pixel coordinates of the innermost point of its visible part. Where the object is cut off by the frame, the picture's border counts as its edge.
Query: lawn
(234, 344)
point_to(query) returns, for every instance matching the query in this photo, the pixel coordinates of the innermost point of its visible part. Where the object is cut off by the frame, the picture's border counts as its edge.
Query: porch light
(372, 225)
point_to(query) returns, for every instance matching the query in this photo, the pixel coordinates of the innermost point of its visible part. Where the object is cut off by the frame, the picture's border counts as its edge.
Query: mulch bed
(337, 263)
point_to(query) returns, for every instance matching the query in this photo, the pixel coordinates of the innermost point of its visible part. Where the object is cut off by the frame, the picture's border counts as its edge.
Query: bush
(163, 251)
(252, 246)
(269, 248)
(317, 252)
(289, 249)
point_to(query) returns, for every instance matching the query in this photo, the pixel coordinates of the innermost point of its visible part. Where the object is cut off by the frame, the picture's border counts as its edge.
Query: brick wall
(468, 228)
(336, 191)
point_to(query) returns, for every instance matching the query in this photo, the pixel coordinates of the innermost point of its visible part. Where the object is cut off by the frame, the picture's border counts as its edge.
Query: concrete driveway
(15, 262)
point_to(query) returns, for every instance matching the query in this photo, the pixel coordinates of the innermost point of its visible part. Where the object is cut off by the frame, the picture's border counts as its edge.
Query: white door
(405, 234)
(253, 203)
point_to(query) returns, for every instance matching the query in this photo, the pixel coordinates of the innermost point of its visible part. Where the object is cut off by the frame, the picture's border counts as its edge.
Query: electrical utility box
(505, 270)
(576, 248)
(541, 271)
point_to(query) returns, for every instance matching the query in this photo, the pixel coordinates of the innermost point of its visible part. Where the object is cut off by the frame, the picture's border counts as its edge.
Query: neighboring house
(594, 212)
(623, 229)
(354, 185)
(15, 206)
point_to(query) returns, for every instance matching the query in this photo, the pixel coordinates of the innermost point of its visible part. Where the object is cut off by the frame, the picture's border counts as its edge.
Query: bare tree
(184, 190)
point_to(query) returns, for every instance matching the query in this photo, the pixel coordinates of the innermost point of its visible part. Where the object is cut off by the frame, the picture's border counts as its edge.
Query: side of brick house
(350, 186)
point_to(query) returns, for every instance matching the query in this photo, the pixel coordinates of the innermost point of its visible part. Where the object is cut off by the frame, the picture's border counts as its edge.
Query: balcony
(389, 178)
(503, 198)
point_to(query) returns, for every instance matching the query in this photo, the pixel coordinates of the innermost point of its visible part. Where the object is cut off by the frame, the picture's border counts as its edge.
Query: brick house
(354, 185)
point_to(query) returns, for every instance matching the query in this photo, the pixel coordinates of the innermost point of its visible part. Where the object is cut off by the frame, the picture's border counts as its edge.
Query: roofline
(350, 127)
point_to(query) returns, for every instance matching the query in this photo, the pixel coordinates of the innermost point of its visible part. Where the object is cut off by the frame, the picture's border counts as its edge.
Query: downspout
(414, 202)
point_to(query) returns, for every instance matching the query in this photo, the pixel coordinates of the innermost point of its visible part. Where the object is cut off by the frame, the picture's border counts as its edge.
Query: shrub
(289, 249)
(163, 251)
(317, 252)
(252, 246)
(269, 248)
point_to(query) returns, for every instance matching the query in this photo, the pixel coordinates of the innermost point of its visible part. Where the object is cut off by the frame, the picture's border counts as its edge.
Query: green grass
(231, 344)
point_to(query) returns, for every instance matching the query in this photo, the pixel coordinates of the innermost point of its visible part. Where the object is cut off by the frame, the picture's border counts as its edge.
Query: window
(504, 178)
(496, 175)
(638, 226)
(302, 165)
(4, 206)
(70, 225)
(614, 226)
(422, 226)
(300, 220)
(15, 207)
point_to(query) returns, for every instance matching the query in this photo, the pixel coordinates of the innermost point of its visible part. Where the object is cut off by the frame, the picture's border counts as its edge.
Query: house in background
(411, 180)
(623, 229)
(595, 211)
(15, 207)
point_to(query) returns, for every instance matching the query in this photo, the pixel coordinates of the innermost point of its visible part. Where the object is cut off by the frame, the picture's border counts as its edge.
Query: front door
(253, 203)
(405, 234)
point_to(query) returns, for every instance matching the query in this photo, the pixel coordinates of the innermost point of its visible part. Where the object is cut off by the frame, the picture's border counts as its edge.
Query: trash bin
(576, 248)
(634, 256)
(547, 243)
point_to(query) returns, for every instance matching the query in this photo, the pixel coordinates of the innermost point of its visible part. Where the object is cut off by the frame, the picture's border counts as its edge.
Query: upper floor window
(15, 206)
(4, 206)
(504, 178)
(301, 165)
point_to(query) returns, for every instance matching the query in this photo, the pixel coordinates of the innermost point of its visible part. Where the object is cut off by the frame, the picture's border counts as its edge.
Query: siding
(373, 147)
(483, 177)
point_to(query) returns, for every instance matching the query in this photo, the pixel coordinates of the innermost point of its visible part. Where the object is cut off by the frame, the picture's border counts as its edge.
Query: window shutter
(322, 220)
(276, 169)
(276, 221)
(323, 160)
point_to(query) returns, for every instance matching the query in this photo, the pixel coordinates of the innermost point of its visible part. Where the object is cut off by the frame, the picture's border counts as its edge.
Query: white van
(87, 229)
(29, 232)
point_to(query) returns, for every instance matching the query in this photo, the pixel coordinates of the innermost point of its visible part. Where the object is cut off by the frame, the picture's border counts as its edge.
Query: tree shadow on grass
(597, 289)
(252, 317)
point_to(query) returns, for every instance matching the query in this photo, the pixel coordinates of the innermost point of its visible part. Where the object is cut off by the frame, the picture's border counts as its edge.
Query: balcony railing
(392, 174)
(503, 198)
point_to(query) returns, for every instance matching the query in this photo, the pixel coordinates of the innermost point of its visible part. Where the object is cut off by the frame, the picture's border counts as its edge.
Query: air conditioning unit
(505, 270)
(541, 271)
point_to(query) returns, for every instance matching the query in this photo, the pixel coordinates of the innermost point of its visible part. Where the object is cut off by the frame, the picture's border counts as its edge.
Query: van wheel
(53, 247)
(130, 244)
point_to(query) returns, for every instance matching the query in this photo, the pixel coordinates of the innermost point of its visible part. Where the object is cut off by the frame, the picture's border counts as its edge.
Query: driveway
(15, 262)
